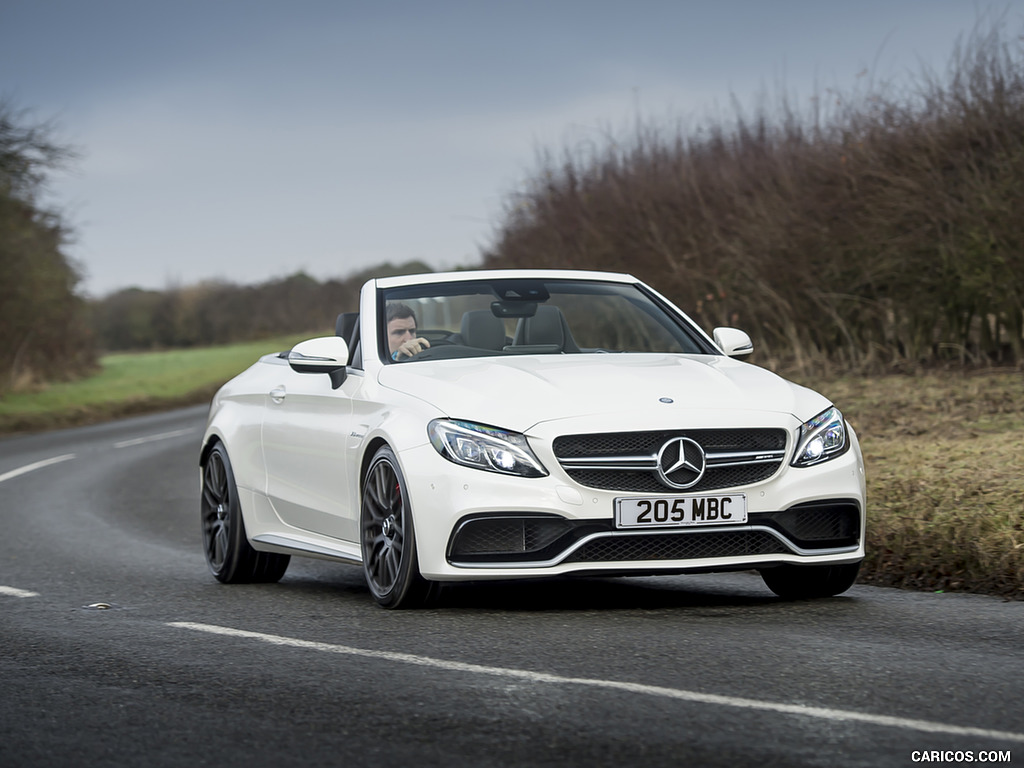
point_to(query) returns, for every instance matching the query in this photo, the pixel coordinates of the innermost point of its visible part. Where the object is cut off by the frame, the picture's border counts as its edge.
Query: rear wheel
(798, 582)
(231, 558)
(388, 539)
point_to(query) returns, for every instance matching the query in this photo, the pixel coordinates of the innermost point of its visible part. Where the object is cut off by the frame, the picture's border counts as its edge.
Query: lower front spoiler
(816, 532)
(695, 544)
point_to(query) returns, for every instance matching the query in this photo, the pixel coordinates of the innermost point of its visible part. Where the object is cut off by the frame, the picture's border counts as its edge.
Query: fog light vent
(506, 535)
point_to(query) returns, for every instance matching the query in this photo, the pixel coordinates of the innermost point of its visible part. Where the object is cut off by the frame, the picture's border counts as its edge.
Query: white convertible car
(512, 424)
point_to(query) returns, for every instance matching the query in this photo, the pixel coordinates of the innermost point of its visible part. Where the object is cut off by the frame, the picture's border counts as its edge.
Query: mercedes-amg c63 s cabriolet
(514, 424)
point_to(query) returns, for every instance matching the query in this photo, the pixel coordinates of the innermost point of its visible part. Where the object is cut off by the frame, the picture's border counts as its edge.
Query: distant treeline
(221, 313)
(882, 229)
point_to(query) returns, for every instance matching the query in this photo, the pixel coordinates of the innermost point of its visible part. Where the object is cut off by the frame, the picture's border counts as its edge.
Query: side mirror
(733, 342)
(328, 354)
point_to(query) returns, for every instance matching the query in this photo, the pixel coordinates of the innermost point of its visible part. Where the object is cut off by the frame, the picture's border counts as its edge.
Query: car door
(307, 440)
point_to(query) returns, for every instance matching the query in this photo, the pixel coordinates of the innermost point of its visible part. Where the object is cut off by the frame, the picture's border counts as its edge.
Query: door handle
(277, 394)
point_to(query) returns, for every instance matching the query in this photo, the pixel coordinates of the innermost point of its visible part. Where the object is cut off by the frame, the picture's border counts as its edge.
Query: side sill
(286, 545)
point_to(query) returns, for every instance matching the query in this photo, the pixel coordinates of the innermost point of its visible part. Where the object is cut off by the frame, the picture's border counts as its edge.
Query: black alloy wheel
(231, 558)
(388, 539)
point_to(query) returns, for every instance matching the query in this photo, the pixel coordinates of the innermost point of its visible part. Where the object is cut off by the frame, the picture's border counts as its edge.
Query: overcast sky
(249, 139)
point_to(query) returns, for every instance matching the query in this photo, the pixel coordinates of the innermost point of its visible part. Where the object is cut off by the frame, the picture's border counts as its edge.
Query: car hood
(519, 393)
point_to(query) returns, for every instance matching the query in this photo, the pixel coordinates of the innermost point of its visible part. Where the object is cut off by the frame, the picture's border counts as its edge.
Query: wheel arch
(370, 451)
(207, 449)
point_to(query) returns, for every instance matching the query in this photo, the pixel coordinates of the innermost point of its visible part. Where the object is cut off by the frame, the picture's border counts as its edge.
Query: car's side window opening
(356, 358)
(347, 327)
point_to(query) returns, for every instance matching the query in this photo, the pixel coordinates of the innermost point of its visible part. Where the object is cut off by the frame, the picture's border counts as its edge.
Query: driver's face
(400, 330)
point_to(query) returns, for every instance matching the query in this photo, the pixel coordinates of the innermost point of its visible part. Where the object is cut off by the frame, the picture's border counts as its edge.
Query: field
(944, 454)
(133, 383)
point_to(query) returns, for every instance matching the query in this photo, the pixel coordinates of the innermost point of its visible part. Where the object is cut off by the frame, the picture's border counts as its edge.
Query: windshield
(533, 317)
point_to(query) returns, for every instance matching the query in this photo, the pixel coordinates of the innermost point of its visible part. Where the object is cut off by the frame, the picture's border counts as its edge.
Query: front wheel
(388, 539)
(231, 558)
(799, 582)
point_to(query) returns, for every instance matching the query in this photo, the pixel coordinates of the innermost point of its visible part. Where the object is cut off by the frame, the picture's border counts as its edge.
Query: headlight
(822, 438)
(489, 448)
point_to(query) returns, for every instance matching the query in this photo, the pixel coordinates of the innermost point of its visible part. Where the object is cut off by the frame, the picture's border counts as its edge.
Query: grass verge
(134, 383)
(944, 456)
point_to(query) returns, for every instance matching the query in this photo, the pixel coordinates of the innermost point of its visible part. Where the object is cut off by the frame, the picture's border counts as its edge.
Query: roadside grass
(944, 457)
(134, 383)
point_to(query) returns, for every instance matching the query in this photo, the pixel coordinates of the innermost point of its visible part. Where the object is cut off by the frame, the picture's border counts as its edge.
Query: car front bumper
(475, 525)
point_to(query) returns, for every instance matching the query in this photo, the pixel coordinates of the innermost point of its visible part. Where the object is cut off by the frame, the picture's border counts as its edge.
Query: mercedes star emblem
(681, 463)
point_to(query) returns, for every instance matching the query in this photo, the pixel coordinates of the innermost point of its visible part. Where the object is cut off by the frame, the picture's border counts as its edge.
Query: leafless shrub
(881, 230)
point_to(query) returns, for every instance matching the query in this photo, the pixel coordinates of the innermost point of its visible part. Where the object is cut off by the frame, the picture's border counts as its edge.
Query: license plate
(663, 512)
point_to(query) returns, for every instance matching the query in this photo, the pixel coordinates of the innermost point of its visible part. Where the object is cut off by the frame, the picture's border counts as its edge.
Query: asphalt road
(179, 670)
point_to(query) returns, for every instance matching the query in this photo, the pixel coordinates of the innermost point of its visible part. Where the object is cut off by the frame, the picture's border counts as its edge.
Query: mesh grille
(648, 482)
(820, 524)
(648, 443)
(504, 535)
(834, 524)
(678, 547)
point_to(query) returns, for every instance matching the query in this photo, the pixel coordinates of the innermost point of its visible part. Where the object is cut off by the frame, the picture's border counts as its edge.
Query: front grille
(627, 461)
(689, 546)
(632, 481)
(648, 443)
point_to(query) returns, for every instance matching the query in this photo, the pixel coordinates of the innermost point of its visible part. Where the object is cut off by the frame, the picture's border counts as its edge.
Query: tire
(388, 539)
(231, 558)
(800, 582)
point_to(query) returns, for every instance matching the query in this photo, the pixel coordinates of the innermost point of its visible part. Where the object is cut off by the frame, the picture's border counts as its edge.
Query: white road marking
(823, 713)
(154, 438)
(32, 467)
(13, 592)
(123, 444)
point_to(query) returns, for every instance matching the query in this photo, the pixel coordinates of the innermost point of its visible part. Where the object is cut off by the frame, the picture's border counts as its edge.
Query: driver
(402, 339)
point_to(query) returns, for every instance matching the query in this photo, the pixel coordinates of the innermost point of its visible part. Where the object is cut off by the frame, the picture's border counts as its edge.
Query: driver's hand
(411, 347)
